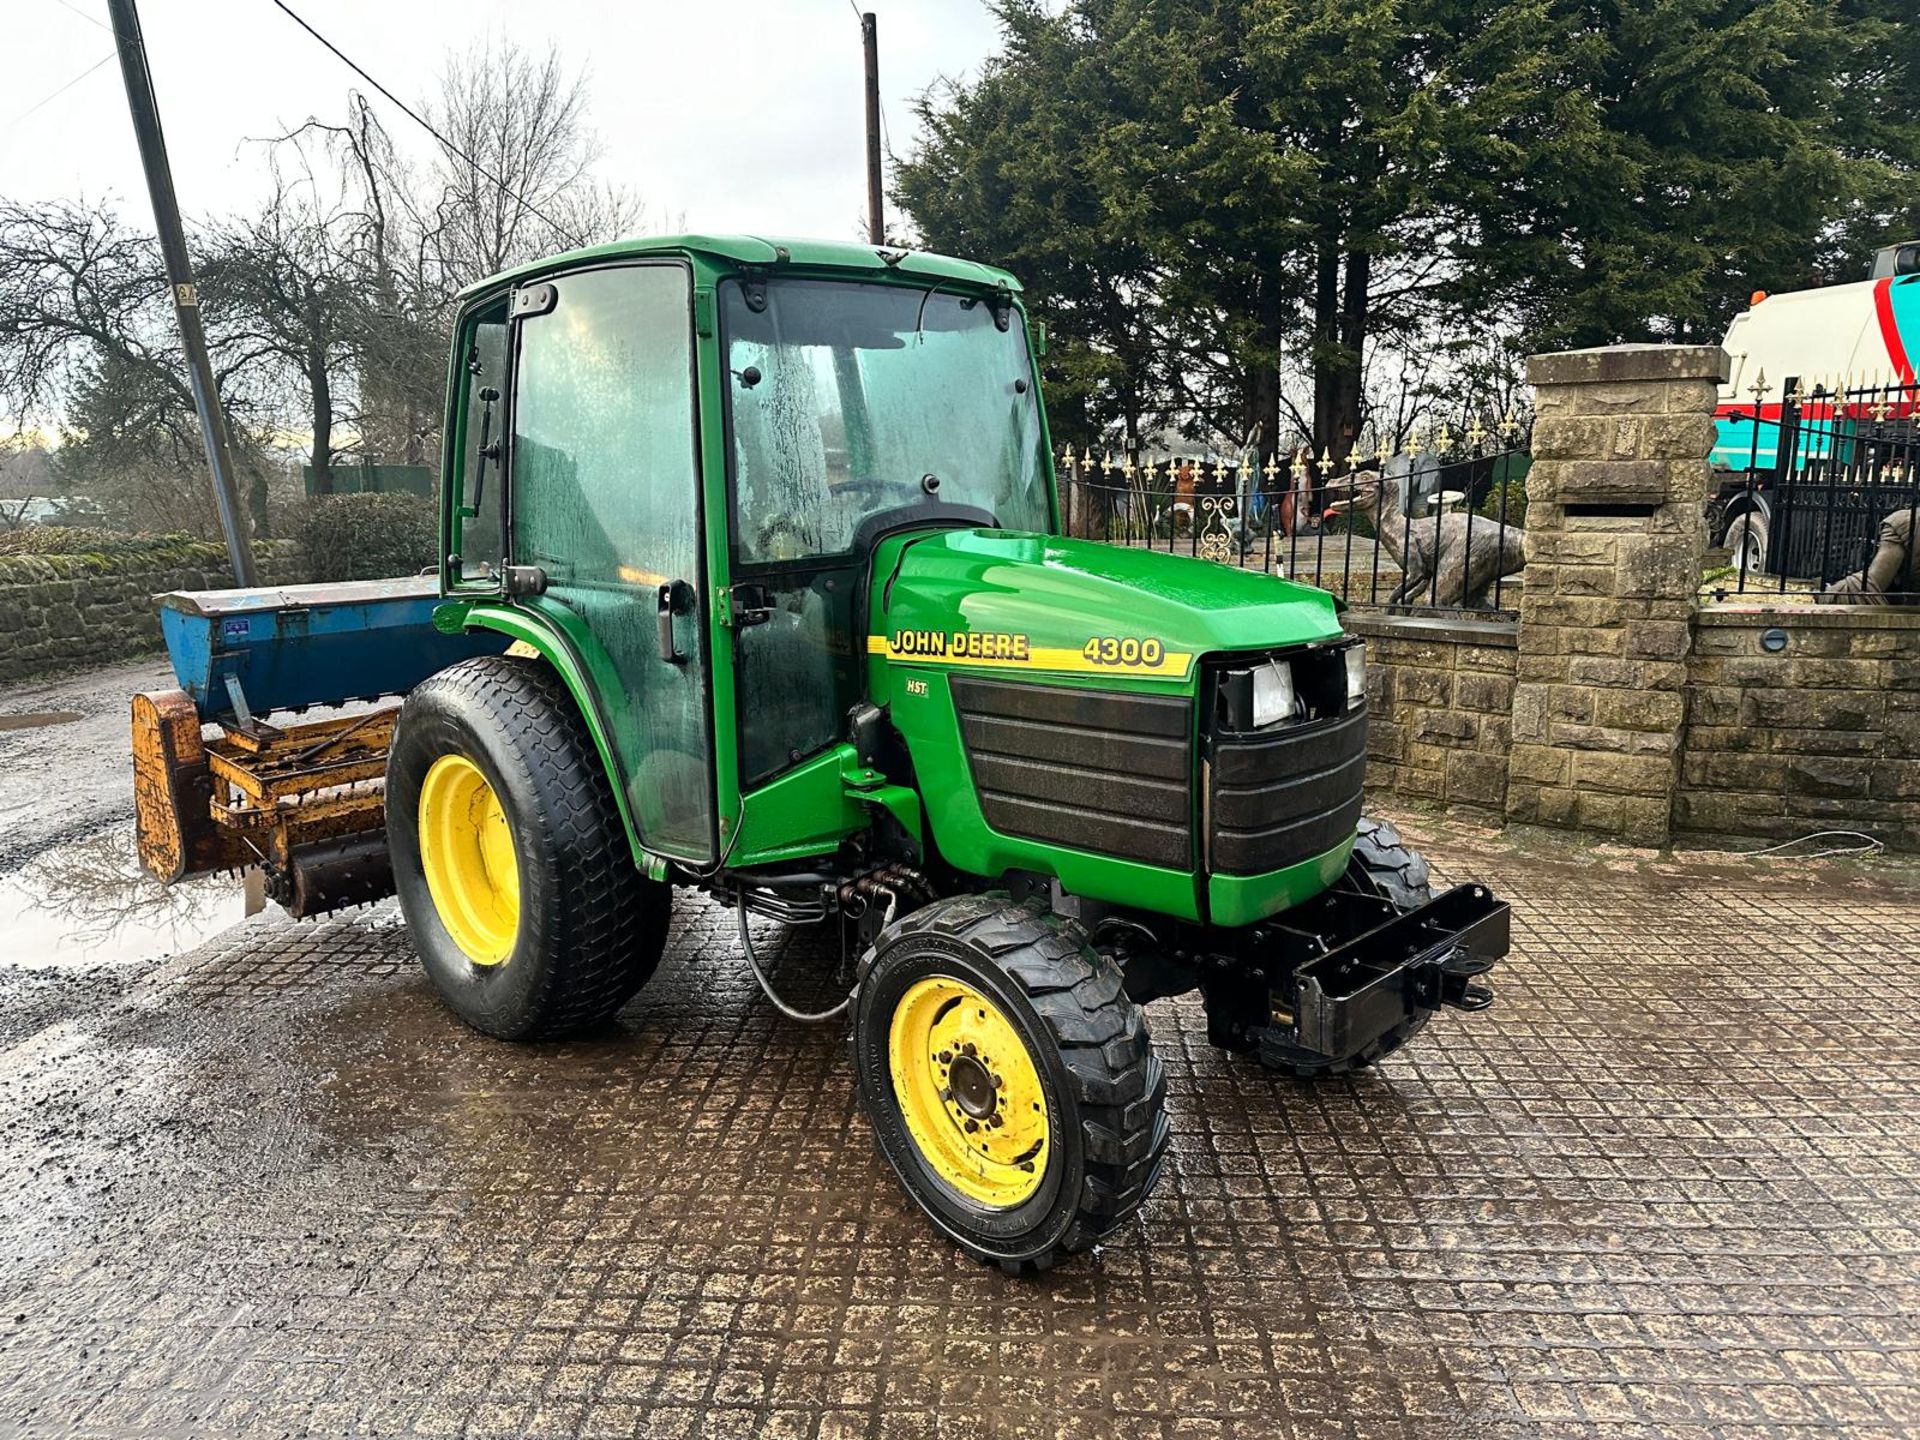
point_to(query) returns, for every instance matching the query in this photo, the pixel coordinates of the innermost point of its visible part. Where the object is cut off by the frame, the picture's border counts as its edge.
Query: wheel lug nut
(946, 1057)
(972, 1126)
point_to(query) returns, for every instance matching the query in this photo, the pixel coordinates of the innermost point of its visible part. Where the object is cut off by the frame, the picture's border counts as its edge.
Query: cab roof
(769, 251)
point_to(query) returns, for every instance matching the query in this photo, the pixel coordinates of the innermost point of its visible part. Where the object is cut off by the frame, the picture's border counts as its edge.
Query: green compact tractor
(752, 582)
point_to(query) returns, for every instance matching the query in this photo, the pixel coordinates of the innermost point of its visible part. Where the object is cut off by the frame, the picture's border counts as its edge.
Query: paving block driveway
(1668, 1187)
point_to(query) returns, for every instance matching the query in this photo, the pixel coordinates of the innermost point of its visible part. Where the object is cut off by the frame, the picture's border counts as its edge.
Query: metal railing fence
(1828, 499)
(1431, 525)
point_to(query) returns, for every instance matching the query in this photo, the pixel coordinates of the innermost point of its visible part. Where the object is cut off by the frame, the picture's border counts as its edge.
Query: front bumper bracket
(1356, 992)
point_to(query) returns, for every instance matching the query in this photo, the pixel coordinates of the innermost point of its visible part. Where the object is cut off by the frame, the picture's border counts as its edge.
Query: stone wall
(1440, 699)
(1803, 720)
(1636, 713)
(1615, 532)
(58, 612)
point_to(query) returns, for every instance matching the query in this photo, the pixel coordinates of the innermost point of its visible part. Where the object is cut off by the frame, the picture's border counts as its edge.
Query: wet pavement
(1668, 1187)
(65, 766)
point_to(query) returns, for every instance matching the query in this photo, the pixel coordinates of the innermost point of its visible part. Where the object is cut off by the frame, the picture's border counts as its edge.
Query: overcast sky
(737, 114)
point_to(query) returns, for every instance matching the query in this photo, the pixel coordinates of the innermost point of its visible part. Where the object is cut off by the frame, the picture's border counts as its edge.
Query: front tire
(1011, 1083)
(1384, 864)
(510, 857)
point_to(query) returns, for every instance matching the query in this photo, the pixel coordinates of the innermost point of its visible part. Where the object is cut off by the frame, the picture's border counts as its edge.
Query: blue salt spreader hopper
(244, 653)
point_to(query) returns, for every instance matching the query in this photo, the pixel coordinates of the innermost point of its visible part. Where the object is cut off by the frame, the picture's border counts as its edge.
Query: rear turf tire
(1088, 1082)
(579, 928)
(1383, 864)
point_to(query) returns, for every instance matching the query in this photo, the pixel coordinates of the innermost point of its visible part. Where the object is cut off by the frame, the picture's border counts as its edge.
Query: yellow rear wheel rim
(466, 849)
(969, 1092)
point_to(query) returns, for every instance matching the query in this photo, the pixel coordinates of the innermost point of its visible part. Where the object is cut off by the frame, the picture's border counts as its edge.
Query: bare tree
(76, 288)
(284, 289)
(87, 340)
(524, 185)
(405, 310)
(328, 310)
(516, 183)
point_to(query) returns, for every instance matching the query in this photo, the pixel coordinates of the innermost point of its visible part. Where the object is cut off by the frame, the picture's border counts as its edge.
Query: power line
(413, 115)
(42, 104)
(90, 19)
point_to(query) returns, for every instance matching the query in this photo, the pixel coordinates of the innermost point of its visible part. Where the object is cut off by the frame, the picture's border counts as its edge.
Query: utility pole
(870, 37)
(186, 297)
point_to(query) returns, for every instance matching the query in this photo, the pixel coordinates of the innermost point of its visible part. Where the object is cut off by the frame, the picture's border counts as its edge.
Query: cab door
(604, 497)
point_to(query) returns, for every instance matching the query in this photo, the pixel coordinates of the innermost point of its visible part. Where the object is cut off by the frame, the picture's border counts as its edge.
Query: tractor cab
(721, 431)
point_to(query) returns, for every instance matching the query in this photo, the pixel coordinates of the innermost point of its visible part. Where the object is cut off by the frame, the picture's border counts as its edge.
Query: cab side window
(480, 539)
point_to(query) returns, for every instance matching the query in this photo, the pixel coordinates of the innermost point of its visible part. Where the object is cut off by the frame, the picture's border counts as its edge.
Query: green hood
(1008, 599)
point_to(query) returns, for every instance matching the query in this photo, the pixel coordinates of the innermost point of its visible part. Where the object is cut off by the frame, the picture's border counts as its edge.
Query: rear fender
(532, 633)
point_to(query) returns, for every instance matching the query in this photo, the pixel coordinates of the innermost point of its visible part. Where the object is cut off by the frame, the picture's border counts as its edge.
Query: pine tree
(1206, 194)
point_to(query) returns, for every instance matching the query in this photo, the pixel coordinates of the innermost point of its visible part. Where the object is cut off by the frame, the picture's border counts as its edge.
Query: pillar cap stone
(1612, 363)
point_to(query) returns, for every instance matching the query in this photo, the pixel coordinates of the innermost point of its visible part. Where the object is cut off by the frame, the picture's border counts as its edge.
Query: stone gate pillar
(1615, 536)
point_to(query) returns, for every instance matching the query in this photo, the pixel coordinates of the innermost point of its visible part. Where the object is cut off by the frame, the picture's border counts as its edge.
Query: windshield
(846, 397)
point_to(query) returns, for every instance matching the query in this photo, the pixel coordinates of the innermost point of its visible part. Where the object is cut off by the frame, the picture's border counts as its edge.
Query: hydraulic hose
(753, 963)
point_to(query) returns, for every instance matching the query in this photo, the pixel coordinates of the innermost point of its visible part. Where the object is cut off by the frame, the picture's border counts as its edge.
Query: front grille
(1279, 797)
(1100, 770)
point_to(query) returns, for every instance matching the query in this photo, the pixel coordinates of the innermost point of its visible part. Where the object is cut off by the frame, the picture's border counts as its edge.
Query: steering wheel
(785, 537)
(781, 538)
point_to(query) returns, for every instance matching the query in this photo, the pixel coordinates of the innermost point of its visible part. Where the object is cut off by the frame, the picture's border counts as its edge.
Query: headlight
(1273, 696)
(1356, 674)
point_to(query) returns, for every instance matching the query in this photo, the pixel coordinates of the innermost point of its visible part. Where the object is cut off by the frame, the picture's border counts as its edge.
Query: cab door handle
(672, 594)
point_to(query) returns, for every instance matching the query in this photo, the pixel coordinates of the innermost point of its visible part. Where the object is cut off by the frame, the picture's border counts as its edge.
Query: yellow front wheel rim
(969, 1092)
(466, 849)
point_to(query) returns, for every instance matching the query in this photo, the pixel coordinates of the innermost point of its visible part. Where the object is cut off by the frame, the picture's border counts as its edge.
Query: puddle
(39, 720)
(91, 903)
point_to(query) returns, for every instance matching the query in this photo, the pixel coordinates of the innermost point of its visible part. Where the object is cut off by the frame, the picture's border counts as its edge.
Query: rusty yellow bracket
(305, 802)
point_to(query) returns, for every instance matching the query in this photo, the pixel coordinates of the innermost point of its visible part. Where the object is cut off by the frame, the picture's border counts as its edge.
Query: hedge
(367, 536)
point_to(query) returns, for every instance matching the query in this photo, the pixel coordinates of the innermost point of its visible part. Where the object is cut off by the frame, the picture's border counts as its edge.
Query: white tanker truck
(1852, 350)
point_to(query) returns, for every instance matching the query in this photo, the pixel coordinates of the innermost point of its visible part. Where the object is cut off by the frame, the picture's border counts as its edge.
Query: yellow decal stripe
(1172, 665)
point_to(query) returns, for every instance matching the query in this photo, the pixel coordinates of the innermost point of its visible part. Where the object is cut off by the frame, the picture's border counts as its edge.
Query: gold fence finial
(1509, 426)
(1443, 442)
